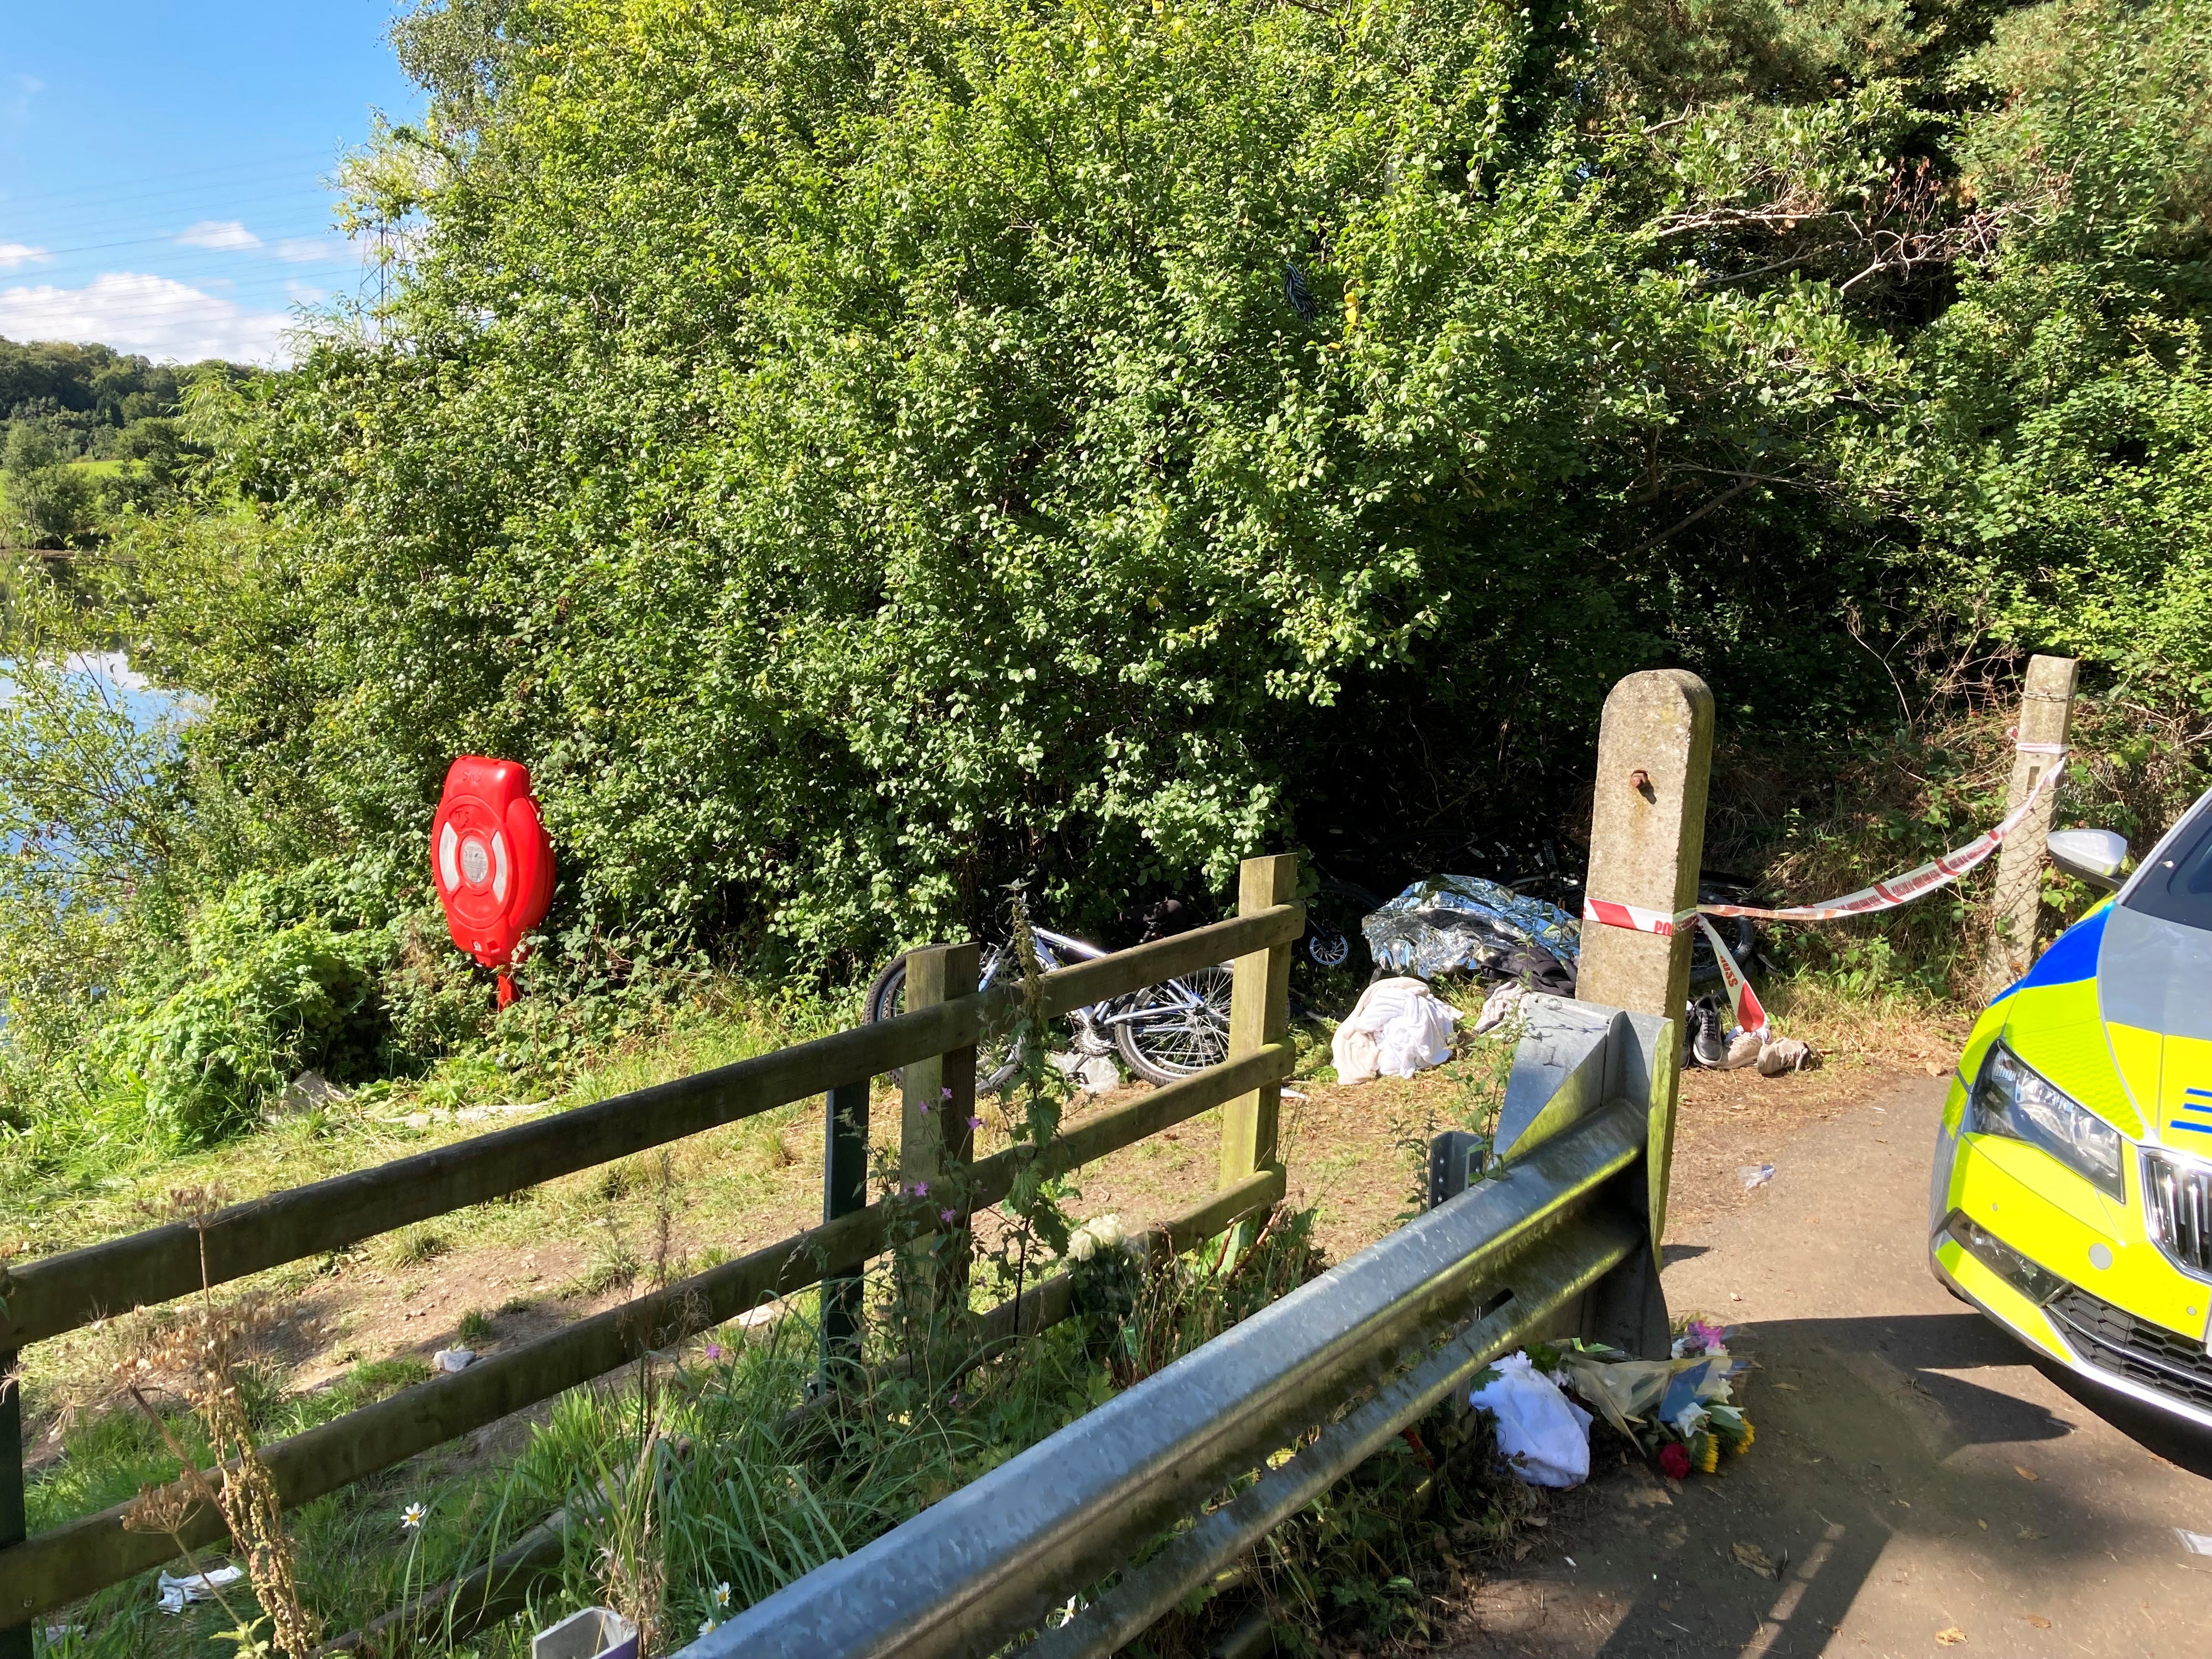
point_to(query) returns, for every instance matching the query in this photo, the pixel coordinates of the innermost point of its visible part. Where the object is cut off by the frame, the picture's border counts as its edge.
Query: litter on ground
(1501, 1009)
(1541, 1432)
(1755, 1174)
(173, 1593)
(1091, 1075)
(1446, 923)
(452, 1361)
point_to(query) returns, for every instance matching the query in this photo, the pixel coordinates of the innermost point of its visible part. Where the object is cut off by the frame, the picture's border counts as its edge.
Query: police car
(2072, 1197)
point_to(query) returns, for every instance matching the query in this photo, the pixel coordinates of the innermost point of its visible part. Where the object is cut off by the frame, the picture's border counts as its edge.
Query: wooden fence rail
(46, 1299)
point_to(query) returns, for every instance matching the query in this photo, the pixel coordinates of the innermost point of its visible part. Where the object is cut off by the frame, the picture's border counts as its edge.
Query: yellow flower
(1705, 1452)
(1744, 1444)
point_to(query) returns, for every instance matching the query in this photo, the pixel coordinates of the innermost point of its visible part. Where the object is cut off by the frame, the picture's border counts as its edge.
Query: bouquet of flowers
(1679, 1410)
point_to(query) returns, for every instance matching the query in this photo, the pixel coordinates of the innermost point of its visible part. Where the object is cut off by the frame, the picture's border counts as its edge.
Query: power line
(157, 184)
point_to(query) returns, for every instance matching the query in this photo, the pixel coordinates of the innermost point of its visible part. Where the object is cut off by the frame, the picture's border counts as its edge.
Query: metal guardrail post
(844, 1191)
(936, 1137)
(1259, 1014)
(15, 1639)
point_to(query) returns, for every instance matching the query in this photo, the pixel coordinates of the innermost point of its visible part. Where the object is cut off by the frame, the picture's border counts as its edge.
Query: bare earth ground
(1922, 1484)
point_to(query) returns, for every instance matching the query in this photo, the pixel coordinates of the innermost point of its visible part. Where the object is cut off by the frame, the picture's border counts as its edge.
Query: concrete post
(1655, 753)
(1655, 756)
(2046, 705)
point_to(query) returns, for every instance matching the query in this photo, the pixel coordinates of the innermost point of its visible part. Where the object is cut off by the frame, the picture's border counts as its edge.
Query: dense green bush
(862, 454)
(931, 446)
(257, 1006)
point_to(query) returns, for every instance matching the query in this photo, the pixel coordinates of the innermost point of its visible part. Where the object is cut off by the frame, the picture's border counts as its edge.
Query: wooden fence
(933, 1043)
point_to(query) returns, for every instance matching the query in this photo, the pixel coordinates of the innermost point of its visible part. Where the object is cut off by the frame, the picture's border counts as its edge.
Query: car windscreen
(2179, 887)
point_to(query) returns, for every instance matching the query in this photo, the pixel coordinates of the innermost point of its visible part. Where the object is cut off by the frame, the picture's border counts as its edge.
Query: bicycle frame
(1055, 950)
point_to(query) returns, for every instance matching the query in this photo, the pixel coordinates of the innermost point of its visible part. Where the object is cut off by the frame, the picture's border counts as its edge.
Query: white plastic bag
(173, 1593)
(1544, 1434)
(1396, 1029)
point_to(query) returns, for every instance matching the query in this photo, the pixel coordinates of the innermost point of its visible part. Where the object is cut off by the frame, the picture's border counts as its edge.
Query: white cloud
(311, 249)
(218, 233)
(148, 314)
(110, 665)
(21, 253)
(305, 293)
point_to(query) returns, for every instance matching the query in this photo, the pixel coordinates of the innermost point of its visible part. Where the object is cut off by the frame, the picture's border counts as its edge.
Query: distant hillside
(87, 396)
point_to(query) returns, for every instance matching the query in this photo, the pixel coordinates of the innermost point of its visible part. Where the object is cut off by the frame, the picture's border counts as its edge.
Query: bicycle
(1162, 1032)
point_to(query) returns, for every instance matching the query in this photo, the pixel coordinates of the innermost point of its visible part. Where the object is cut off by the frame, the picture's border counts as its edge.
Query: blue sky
(165, 169)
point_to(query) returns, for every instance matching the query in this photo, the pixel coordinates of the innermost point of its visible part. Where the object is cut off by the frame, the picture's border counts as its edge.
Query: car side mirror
(2094, 855)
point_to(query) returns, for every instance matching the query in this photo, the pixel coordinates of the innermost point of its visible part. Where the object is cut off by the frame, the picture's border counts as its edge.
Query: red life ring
(492, 862)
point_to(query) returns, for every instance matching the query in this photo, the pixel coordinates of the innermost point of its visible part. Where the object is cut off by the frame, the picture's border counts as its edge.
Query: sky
(165, 169)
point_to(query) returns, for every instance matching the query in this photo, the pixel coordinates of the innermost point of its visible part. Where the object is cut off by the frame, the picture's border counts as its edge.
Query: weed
(202, 1357)
(411, 1247)
(475, 1326)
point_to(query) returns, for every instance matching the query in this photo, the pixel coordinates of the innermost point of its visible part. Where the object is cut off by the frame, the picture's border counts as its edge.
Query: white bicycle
(1162, 1032)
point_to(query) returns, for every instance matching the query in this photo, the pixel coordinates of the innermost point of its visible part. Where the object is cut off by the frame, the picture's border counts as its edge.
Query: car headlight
(2012, 1098)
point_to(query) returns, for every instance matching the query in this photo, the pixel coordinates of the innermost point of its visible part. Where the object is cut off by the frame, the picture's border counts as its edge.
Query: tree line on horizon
(62, 403)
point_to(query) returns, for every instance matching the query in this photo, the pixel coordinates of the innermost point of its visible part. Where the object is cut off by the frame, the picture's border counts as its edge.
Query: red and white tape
(1916, 883)
(1922, 879)
(1634, 917)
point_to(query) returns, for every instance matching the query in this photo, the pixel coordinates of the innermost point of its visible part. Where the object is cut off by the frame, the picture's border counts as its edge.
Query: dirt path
(1925, 1487)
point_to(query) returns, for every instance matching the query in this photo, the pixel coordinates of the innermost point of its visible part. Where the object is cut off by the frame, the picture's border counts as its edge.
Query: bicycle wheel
(1175, 1035)
(1325, 946)
(996, 1060)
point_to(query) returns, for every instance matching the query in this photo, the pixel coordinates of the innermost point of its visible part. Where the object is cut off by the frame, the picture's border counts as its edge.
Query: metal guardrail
(1558, 1237)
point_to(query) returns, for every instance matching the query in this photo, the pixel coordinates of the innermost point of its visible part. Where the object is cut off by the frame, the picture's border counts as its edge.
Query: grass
(731, 1494)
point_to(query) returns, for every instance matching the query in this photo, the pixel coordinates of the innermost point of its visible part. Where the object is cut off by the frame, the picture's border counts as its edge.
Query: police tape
(1886, 895)
(1922, 879)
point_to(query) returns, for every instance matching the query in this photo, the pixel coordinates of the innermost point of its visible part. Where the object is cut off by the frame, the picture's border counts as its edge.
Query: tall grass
(696, 1483)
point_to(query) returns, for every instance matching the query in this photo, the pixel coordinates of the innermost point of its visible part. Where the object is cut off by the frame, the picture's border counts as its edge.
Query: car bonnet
(2153, 982)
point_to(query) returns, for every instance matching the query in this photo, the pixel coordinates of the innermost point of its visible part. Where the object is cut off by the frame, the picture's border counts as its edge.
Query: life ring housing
(492, 862)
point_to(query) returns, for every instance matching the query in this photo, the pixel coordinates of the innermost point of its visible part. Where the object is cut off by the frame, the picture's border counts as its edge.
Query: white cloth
(1501, 1005)
(1396, 1029)
(1544, 1434)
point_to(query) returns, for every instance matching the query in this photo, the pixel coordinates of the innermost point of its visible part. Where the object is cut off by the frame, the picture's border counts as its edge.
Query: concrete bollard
(1655, 753)
(2046, 705)
(1654, 757)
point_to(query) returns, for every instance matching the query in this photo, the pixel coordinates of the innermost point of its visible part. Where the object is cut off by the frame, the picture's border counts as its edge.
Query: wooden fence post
(937, 1137)
(844, 1192)
(1259, 1014)
(2046, 704)
(15, 1639)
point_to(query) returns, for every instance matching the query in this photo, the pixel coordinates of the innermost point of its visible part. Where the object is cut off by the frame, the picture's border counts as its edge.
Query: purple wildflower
(975, 1122)
(713, 1351)
(921, 1189)
(948, 1217)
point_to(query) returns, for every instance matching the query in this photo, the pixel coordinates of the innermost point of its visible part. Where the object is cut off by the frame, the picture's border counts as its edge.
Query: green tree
(933, 446)
(49, 502)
